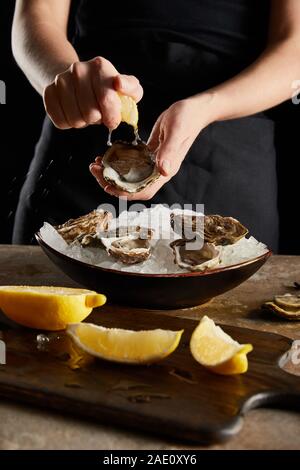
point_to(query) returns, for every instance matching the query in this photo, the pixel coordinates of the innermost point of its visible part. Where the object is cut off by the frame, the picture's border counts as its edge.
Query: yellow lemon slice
(129, 110)
(127, 346)
(217, 351)
(48, 308)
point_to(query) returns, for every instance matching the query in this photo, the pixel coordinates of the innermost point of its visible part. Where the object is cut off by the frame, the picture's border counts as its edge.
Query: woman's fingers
(169, 157)
(155, 136)
(103, 74)
(53, 107)
(67, 97)
(97, 172)
(171, 133)
(129, 85)
(85, 95)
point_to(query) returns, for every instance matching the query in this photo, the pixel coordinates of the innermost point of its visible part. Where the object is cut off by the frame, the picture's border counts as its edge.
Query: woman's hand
(172, 136)
(86, 94)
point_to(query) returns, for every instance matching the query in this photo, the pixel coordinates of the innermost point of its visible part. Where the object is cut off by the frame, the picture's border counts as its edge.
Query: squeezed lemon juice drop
(137, 138)
(109, 142)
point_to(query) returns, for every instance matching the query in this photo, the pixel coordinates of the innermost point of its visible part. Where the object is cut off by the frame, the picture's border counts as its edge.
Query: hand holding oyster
(128, 167)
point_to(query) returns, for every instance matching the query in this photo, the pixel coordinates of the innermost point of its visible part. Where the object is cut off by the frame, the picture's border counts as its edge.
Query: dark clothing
(176, 49)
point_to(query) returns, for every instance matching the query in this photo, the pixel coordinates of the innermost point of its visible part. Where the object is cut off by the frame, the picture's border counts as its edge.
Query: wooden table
(263, 429)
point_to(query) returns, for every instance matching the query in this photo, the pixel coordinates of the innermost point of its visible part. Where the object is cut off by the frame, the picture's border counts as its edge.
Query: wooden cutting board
(176, 397)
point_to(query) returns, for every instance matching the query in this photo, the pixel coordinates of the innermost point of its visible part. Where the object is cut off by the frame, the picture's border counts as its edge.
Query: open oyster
(187, 226)
(132, 248)
(129, 167)
(223, 230)
(201, 259)
(84, 229)
(212, 228)
(287, 306)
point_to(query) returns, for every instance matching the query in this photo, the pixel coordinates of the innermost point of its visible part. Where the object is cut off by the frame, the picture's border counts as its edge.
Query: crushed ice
(162, 258)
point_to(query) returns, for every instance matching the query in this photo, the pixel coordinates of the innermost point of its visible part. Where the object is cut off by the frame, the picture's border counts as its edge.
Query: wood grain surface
(177, 397)
(240, 307)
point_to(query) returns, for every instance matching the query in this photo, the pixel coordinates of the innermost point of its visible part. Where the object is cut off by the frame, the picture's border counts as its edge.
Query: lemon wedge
(129, 110)
(126, 346)
(48, 308)
(217, 351)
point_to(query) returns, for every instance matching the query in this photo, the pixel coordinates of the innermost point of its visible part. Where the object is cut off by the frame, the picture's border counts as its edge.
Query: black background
(21, 120)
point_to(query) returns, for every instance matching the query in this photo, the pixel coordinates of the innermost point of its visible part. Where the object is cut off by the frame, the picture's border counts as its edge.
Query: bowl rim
(42, 243)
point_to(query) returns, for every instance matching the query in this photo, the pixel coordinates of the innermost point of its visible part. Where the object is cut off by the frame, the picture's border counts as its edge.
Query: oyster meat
(201, 259)
(129, 167)
(212, 228)
(132, 248)
(84, 229)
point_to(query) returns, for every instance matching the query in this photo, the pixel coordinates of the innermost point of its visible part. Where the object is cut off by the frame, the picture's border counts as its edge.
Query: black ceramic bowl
(166, 291)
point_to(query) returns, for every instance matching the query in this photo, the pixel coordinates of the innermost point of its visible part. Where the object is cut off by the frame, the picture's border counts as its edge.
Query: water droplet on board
(128, 385)
(72, 385)
(147, 398)
(62, 348)
(183, 376)
(42, 342)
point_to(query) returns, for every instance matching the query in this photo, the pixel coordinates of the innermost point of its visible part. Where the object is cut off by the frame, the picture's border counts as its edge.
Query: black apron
(176, 48)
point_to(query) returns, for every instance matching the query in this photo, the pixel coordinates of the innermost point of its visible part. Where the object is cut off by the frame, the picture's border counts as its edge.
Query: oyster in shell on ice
(223, 230)
(133, 248)
(129, 167)
(84, 229)
(187, 226)
(201, 259)
(212, 228)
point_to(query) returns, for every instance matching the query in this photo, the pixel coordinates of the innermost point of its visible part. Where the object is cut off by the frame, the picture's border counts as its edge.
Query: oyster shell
(84, 229)
(212, 228)
(287, 306)
(187, 226)
(288, 300)
(129, 167)
(223, 230)
(129, 250)
(201, 259)
(286, 312)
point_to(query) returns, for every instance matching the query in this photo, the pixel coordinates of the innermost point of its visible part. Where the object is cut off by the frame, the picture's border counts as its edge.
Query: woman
(208, 69)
